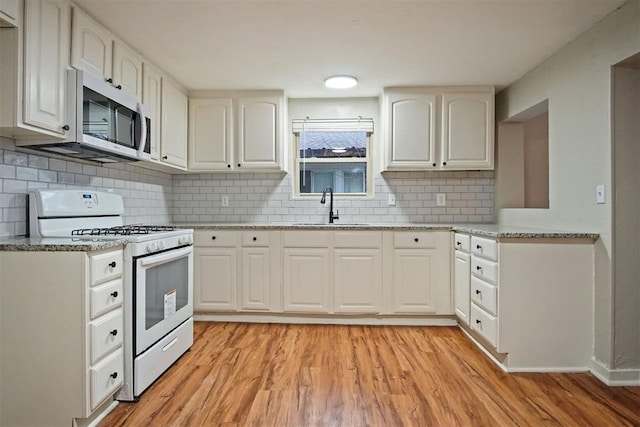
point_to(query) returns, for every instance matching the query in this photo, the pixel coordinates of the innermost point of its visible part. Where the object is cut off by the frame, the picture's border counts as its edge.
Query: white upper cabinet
(91, 45)
(46, 59)
(411, 131)
(236, 133)
(449, 128)
(258, 132)
(467, 130)
(173, 138)
(210, 134)
(152, 99)
(127, 70)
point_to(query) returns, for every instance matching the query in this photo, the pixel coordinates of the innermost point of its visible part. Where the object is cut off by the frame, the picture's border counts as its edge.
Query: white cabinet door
(9, 8)
(255, 279)
(357, 280)
(467, 130)
(462, 278)
(127, 70)
(258, 132)
(411, 131)
(413, 287)
(46, 61)
(173, 138)
(152, 99)
(91, 45)
(210, 134)
(215, 279)
(306, 280)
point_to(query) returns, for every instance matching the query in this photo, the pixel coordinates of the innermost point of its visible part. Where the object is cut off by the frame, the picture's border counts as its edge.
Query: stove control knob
(181, 240)
(190, 239)
(152, 247)
(161, 245)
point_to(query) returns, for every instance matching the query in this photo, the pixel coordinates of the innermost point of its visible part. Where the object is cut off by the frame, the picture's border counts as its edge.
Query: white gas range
(157, 281)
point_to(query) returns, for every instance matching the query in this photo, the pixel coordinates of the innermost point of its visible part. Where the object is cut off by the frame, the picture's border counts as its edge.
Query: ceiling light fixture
(340, 82)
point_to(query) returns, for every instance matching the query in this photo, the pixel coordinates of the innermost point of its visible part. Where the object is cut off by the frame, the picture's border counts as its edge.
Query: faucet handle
(336, 215)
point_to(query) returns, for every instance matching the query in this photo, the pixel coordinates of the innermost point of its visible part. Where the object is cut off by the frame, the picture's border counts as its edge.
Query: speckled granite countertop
(57, 244)
(487, 230)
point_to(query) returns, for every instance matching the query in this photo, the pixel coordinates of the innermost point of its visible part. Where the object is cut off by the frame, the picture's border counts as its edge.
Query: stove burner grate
(124, 230)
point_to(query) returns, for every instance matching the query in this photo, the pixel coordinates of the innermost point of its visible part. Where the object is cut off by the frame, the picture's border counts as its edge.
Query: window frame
(367, 160)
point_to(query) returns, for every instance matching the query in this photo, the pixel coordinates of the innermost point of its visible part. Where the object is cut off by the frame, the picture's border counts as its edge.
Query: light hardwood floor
(321, 375)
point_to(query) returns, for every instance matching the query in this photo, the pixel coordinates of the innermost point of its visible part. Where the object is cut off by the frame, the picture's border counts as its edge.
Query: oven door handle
(165, 257)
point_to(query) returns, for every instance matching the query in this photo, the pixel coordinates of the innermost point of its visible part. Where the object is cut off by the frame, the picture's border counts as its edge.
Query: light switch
(601, 196)
(441, 199)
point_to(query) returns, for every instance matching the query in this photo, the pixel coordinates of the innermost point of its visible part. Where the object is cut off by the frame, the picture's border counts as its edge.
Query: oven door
(163, 294)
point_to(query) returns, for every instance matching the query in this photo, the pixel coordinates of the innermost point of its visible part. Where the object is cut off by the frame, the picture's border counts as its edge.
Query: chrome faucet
(324, 199)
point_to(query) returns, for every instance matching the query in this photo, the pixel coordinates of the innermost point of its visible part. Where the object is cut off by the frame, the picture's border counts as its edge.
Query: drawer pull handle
(213, 237)
(478, 321)
(114, 294)
(114, 375)
(255, 238)
(416, 239)
(114, 332)
(478, 267)
(112, 264)
(478, 292)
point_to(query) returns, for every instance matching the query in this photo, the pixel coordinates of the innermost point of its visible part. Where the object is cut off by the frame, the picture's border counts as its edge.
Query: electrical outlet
(225, 200)
(392, 199)
(441, 199)
(601, 196)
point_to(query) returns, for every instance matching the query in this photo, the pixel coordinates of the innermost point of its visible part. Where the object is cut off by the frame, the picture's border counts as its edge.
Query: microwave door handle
(143, 130)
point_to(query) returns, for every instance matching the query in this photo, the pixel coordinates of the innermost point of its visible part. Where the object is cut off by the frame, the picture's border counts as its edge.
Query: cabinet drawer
(485, 324)
(462, 242)
(106, 334)
(484, 247)
(106, 378)
(255, 238)
(358, 239)
(485, 269)
(484, 295)
(106, 297)
(217, 238)
(418, 239)
(106, 266)
(305, 239)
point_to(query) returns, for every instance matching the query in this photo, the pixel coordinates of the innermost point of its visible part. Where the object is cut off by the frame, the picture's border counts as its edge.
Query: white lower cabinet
(305, 280)
(357, 280)
(418, 264)
(461, 281)
(65, 359)
(260, 271)
(215, 271)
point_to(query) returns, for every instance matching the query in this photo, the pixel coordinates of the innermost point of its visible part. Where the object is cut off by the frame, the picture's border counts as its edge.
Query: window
(333, 155)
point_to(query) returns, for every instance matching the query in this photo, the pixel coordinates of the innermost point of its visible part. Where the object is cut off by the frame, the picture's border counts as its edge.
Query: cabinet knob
(239, 165)
(434, 164)
(478, 267)
(459, 243)
(213, 237)
(66, 127)
(478, 247)
(112, 264)
(165, 157)
(478, 292)
(114, 294)
(444, 163)
(109, 80)
(229, 166)
(114, 332)
(478, 321)
(114, 375)
(119, 87)
(255, 238)
(416, 239)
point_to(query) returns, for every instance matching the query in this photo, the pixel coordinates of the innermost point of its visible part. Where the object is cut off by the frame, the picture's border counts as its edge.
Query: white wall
(577, 83)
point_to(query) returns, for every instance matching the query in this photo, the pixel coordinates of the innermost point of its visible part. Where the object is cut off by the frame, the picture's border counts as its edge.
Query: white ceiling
(294, 44)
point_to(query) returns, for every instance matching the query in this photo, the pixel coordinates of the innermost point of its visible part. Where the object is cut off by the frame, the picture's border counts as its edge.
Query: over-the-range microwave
(105, 124)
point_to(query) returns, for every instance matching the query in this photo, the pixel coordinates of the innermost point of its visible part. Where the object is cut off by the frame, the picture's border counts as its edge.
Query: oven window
(167, 290)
